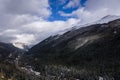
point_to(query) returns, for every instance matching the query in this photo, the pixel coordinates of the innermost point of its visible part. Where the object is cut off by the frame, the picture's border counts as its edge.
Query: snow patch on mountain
(104, 19)
(20, 45)
(107, 19)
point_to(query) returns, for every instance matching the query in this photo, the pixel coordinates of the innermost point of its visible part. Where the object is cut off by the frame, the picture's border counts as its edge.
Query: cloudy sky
(31, 21)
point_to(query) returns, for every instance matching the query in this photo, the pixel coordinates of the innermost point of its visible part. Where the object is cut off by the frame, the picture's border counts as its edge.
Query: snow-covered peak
(107, 19)
(104, 19)
(20, 45)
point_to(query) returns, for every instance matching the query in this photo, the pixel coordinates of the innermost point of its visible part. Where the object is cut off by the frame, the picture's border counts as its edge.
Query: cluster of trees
(50, 72)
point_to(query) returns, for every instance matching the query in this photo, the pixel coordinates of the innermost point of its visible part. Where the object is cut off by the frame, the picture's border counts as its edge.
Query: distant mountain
(7, 50)
(90, 52)
(9, 63)
(107, 19)
(102, 20)
(20, 45)
(95, 48)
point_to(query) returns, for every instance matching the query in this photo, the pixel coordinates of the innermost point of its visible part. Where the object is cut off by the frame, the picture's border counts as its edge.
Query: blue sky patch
(58, 5)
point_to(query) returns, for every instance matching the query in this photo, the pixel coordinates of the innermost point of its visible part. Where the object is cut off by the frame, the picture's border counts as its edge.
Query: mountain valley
(85, 53)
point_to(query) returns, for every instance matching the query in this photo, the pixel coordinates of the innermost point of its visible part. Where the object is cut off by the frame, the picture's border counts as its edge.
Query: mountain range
(91, 52)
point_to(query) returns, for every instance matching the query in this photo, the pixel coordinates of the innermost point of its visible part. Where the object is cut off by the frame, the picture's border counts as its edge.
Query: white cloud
(112, 6)
(25, 21)
(94, 10)
(24, 38)
(35, 31)
(43, 29)
(16, 13)
(32, 7)
(73, 4)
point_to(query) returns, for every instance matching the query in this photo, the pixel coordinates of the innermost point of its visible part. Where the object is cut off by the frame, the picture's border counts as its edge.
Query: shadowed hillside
(95, 48)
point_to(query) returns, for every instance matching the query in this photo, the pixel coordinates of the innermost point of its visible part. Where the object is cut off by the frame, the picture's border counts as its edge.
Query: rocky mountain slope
(8, 51)
(8, 56)
(9, 64)
(94, 49)
(82, 53)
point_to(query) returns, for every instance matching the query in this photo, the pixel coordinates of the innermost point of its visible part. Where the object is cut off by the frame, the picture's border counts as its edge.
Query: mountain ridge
(90, 53)
(95, 47)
